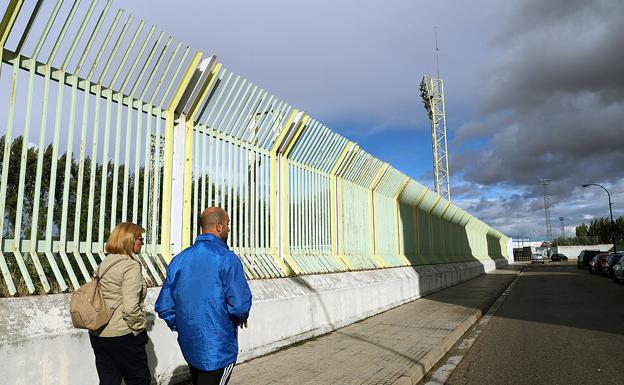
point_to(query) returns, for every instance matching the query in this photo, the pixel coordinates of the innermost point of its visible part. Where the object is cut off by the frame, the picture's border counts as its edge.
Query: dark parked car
(595, 265)
(558, 257)
(585, 257)
(612, 259)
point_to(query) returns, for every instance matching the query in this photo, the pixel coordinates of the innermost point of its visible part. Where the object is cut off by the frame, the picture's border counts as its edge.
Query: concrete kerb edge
(420, 369)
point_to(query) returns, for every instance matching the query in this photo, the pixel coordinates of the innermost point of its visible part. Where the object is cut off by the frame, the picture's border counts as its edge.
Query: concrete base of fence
(39, 346)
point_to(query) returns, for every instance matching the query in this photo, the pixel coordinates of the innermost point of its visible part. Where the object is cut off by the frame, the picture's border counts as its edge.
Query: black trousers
(213, 377)
(122, 357)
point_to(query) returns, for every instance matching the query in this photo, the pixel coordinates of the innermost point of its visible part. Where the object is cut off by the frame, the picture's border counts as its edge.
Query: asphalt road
(559, 325)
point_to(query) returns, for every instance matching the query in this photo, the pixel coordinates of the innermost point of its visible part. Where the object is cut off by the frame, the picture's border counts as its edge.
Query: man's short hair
(211, 216)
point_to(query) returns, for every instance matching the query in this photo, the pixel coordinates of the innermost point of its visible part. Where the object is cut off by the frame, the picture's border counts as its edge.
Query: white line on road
(442, 374)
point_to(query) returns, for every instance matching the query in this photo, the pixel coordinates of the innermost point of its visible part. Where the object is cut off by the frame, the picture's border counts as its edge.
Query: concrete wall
(510, 247)
(39, 346)
(573, 252)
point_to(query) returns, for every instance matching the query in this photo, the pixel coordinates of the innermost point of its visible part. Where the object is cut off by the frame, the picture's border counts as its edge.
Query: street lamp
(610, 212)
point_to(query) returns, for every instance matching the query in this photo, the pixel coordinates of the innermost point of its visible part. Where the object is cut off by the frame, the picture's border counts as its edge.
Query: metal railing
(108, 120)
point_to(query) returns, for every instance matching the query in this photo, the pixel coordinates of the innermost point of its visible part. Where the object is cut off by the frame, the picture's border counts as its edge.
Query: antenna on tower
(435, 31)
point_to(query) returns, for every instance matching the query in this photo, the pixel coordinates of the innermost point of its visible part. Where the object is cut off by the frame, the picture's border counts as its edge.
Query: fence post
(335, 195)
(442, 230)
(205, 78)
(175, 134)
(417, 219)
(400, 246)
(371, 204)
(279, 190)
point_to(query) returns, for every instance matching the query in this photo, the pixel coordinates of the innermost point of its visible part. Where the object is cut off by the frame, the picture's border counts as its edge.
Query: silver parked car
(618, 271)
(537, 258)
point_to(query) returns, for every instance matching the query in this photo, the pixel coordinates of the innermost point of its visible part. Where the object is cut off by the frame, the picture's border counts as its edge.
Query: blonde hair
(121, 239)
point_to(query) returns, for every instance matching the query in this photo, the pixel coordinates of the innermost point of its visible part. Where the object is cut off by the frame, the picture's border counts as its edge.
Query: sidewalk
(396, 347)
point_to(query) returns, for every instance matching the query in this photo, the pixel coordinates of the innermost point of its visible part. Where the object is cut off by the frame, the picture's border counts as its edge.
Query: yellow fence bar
(336, 201)
(400, 250)
(190, 116)
(274, 239)
(288, 141)
(8, 20)
(371, 204)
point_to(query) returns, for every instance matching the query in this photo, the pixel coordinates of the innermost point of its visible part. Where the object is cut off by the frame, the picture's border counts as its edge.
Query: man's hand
(243, 324)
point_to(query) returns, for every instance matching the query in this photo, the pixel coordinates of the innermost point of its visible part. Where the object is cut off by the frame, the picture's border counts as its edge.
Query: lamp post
(610, 212)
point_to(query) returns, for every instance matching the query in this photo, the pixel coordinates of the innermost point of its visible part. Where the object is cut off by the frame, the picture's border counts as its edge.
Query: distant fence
(109, 120)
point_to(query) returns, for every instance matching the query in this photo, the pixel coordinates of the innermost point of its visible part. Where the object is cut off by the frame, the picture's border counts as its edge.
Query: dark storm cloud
(555, 50)
(553, 102)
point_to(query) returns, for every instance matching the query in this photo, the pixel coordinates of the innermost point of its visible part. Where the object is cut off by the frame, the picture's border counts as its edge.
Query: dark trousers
(122, 357)
(213, 377)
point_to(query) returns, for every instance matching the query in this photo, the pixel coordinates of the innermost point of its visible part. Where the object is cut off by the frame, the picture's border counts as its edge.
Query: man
(204, 298)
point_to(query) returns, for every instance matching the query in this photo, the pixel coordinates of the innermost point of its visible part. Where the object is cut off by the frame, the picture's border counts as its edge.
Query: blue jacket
(204, 297)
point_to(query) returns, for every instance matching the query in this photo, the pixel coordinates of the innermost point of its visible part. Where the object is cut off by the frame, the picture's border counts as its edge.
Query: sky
(533, 89)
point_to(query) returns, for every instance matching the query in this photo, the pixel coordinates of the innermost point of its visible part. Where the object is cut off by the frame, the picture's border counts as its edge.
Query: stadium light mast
(545, 182)
(432, 94)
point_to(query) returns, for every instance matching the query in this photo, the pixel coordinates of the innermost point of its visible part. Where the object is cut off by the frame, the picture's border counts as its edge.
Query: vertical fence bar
(137, 164)
(92, 177)
(66, 188)
(104, 180)
(81, 166)
(147, 159)
(22, 176)
(188, 183)
(196, 178)
(115, 186)
(6, 156)
(52, 188)
(126, 164)
(34, 228)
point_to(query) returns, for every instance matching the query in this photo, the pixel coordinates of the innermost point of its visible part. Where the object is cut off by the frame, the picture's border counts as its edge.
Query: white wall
(39, 346)
(573, 252)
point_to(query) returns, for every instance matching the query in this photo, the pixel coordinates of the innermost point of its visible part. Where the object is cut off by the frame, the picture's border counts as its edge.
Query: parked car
(558, 257)
(608, 265)
(537, 258)
(595, 265)
(585, 257)
(618, 270)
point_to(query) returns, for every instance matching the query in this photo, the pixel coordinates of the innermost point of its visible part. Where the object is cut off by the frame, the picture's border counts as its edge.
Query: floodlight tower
(545, 182)
(432, 94)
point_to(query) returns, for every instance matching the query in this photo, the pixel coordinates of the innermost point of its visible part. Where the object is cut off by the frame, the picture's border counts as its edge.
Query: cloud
(552, 106)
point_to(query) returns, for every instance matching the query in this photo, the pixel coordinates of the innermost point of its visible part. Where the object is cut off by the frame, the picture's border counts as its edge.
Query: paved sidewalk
(396, 347)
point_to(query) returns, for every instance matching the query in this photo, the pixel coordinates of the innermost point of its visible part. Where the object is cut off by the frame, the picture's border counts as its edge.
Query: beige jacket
(124, 284)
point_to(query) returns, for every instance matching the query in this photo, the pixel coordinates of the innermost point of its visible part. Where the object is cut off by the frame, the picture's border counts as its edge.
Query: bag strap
(117, 305)
(99, 276)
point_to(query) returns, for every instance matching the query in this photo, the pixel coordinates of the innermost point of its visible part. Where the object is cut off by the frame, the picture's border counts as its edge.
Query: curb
(420, 369)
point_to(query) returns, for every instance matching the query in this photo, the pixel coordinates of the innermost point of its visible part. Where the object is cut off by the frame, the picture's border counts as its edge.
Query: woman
(119, 346)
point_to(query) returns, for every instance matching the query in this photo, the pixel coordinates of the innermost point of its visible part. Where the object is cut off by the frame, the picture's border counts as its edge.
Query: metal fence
(108, 120)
